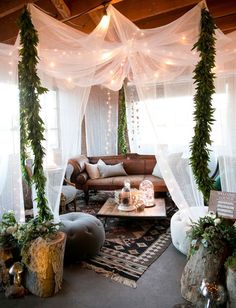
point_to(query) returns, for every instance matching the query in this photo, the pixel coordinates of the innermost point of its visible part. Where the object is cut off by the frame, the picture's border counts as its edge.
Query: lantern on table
(125, 198)
(147, 191)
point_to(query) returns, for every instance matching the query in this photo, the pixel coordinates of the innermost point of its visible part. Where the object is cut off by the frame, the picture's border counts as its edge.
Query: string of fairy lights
(109, 126)
(134, 131)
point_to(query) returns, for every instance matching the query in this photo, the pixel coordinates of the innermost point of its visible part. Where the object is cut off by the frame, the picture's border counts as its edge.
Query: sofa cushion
(111, 170)
(92, 169)
(135, 180)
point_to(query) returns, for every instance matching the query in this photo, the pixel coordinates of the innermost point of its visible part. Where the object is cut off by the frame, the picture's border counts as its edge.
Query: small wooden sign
(224, 203)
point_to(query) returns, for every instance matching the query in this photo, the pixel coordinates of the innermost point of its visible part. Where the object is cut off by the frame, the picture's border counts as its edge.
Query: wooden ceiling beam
(161, 20)
(221, 8)
(62, 8)
(226, 23)
(8, 7)
(151, 8)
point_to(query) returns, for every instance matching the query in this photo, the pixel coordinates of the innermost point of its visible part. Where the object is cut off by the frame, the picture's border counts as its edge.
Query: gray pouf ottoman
(85, 236)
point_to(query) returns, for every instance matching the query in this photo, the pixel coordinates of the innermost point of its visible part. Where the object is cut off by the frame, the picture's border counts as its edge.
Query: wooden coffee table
(110, 209)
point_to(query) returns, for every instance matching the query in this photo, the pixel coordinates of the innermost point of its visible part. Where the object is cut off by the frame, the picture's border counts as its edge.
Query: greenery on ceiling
(204, 112)
(31, 124)
(122, 124)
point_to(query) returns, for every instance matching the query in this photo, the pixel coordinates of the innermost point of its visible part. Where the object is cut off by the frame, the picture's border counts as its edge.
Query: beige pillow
(111, 170)
(92, 169)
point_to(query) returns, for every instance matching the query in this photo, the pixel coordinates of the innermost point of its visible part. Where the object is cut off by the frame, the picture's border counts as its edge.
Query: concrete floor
(159, 287)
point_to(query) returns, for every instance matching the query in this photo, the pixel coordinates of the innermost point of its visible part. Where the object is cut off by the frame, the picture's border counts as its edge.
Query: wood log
(231, 286)
(201, 265)
(44, 268)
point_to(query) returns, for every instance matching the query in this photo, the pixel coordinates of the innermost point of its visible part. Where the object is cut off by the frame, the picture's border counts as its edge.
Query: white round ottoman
(181, 222)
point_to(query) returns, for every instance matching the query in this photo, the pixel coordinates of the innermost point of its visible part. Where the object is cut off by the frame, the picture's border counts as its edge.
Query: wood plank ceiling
(145, 14)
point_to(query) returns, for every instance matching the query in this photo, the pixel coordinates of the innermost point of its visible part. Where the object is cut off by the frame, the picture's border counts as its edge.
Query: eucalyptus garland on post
(122, 124)
(31, 124)
(204, 112)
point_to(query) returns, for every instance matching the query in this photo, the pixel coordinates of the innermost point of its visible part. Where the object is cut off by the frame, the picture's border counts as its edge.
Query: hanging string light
(109, 114)
(135, 117)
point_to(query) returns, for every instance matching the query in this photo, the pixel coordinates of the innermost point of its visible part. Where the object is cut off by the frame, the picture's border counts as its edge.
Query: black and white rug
(131, 246)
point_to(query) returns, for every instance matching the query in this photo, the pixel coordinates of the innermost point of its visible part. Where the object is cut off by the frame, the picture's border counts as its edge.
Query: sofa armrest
(81, 178)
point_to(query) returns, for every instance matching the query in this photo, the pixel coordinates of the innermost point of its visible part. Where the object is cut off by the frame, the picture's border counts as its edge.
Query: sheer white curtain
(101, 120)
(165, 128)
(152, 73)
(226, 87)
(62, 112)
(11, 197)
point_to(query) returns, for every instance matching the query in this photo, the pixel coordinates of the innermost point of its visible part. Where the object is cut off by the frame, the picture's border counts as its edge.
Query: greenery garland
(122, 123)
(31, 124)
(203, 114)
(213, 232)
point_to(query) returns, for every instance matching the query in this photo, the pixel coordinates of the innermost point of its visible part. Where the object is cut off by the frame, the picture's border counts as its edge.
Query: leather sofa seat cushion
(101, 183)
(134, 180)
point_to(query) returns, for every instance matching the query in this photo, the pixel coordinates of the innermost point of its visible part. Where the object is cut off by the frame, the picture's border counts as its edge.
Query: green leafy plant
(13, 234)
(213, 233)
(122, 124)
(204, 112)
(8, 226)
(31, 124)
(34, 228)
(231, 262)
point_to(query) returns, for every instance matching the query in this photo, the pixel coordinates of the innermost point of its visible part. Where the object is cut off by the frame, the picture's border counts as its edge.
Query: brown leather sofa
(138, 168)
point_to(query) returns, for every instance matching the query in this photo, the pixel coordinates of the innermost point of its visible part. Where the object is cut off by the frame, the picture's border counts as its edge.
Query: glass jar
(126, 194)
(147, 190)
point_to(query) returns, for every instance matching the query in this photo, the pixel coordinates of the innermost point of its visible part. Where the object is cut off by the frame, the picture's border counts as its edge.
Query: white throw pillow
(172, 160)
(111, 170)
(92, 169)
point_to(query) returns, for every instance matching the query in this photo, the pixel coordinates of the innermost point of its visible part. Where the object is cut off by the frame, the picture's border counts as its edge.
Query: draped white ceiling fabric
(154, 61)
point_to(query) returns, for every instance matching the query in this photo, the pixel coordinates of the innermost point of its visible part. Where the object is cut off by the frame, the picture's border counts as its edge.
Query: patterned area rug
(131, 245)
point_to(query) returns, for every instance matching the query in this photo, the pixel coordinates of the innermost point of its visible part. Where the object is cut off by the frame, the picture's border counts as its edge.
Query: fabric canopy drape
(158, 64)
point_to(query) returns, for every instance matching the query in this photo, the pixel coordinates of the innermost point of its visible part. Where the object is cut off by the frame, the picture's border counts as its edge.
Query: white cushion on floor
(181, 222)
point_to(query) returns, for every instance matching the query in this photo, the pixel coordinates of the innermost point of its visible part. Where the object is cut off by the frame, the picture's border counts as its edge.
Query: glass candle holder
(147, 190)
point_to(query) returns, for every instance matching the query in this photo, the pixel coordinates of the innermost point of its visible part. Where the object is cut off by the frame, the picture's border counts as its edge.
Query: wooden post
(201, 265)
(44, 265)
